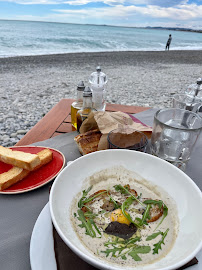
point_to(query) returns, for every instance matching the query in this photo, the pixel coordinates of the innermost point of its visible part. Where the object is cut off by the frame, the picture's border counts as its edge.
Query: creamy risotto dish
(123, 218)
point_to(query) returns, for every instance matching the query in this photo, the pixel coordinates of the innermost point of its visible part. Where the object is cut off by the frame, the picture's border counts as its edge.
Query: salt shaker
(87, 107)
(98, 82)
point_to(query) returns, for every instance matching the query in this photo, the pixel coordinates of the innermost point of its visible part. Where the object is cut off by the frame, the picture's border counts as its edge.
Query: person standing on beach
(168, 42)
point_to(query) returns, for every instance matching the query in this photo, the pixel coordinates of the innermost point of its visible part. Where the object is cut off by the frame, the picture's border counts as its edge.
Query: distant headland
(174, 29)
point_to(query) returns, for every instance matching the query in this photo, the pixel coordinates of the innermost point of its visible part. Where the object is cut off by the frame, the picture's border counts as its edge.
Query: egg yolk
(117, 215)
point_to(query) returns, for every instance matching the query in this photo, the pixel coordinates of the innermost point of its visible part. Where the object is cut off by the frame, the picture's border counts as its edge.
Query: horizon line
(108, 25)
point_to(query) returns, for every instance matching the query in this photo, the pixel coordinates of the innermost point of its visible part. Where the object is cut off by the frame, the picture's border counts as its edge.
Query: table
(58, 121)
(20, 212)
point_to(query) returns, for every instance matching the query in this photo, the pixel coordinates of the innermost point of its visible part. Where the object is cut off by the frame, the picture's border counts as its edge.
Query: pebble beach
(31, 85)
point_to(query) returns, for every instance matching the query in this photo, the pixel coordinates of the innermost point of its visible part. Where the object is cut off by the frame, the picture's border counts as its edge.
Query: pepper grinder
(98, 82)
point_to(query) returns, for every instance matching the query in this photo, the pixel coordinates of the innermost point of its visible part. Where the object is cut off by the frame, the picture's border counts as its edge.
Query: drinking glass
(127, 138)
(187, 102)
(175, 132)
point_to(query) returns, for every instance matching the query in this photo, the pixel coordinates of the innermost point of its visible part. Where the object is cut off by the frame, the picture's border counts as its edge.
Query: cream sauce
(106, 179)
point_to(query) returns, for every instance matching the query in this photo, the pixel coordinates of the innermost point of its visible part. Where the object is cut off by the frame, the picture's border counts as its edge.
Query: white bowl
(181, 188)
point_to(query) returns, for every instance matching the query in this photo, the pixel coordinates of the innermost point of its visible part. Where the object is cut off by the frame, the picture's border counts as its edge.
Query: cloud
(166, 3)
(173, 13)
(184, 12)
(161, 3)
(34, 2)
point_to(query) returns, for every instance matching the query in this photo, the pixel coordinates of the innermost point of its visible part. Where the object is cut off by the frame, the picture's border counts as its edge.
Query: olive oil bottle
(77, 105)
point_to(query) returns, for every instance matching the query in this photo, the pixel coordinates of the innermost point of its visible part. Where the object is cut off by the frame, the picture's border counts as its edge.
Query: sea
(19, 38)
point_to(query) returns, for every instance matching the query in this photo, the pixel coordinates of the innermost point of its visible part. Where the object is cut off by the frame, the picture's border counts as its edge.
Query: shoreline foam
(101, 51)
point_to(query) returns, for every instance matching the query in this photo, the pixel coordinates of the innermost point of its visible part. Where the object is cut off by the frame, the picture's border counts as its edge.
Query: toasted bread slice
(19, 159)
(16, 174)
(45, 156)
(12, 176)
(88, 142)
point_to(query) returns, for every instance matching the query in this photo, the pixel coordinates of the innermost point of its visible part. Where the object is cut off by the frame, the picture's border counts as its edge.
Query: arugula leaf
(116, 205)
(85, 193)
(157, 246)
(124, 190)
(165, 213)
(153, 236)
(116, 241)
(124, 206)
(113, 251)
(119, 241)
(90, 214)
(119, 245)
(102, 211)
(133, 251)
(123, 257)
(137, 250)
(85, 224)
(93, 234)
(139, 222)
(133, 240)
(85, 200)
(139, 196)
(134, 256)
(121, 189)
(93, 197)
(160, 204)
(145, 215)
(88, 223)
(95, 226)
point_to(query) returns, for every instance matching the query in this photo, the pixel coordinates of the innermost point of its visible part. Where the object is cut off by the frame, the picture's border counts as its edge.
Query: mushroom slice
(108, 206)
(155, 213)
(87, 205)
(132, 191)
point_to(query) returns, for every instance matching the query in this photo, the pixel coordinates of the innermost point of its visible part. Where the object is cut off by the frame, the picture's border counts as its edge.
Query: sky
(138, 13)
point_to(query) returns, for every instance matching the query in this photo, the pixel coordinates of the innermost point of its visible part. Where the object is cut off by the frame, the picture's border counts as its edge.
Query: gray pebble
(4, 137)
(21, 131)
(22, 110)
(5, 140)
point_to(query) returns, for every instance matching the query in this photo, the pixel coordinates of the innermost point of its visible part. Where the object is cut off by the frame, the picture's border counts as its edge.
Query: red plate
(38, 178)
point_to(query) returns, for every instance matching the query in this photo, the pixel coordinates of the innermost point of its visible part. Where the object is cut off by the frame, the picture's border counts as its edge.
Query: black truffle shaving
(121, 230)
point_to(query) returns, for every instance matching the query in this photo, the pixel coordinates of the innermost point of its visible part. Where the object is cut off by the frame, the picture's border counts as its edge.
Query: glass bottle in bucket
(77, 105)
(87, 107)
(194, 96)
(198, 92)
(195, 90)
(98, 82)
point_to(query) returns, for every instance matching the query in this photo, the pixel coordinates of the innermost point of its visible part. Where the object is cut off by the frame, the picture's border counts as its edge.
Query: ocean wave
(27, 38)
